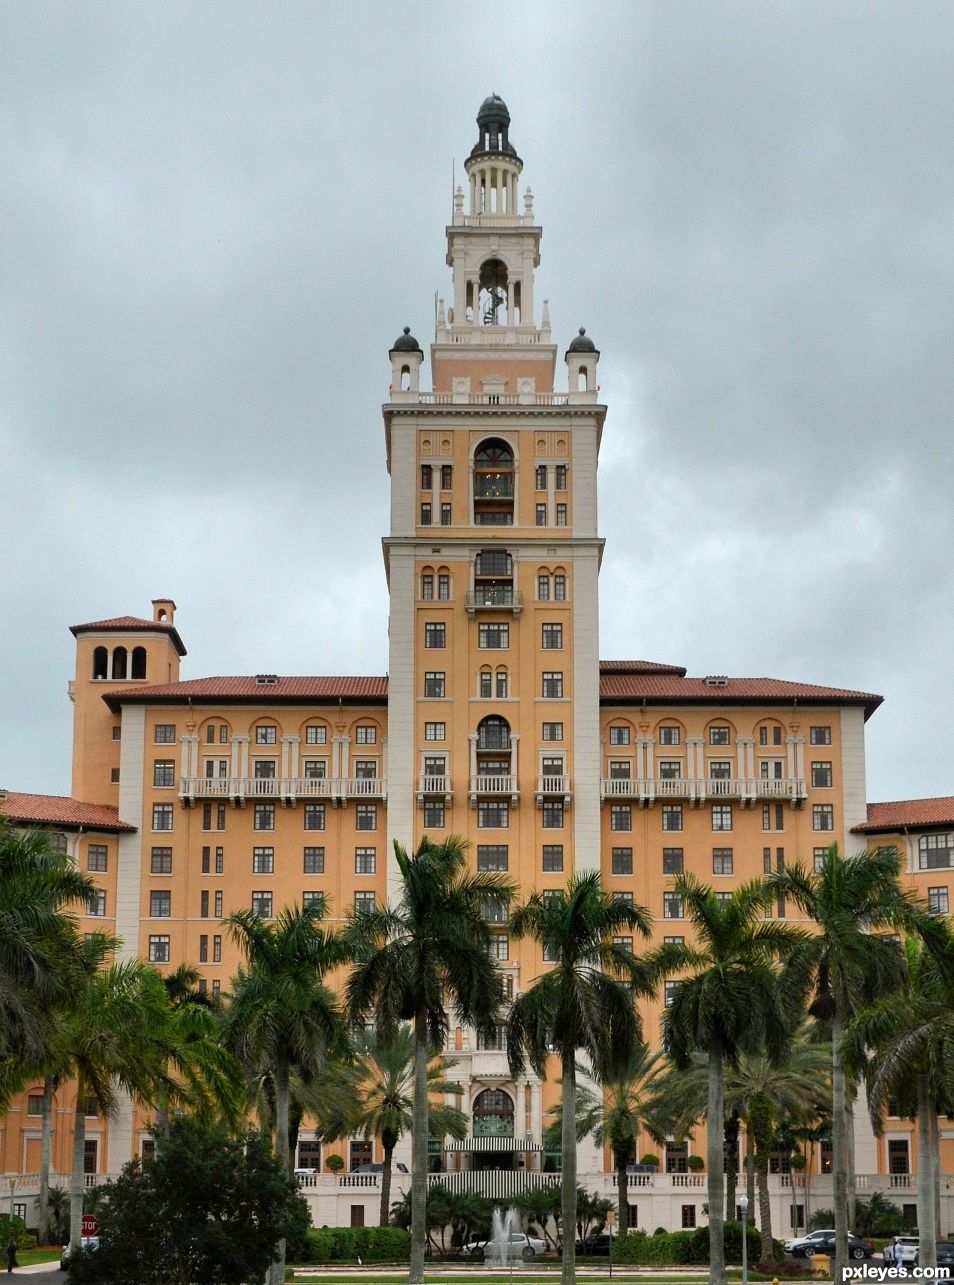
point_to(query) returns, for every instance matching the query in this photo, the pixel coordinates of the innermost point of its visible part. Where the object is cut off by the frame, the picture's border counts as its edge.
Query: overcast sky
(216, 218)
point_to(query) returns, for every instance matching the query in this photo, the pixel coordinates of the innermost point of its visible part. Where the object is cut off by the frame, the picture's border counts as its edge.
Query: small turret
(582, 359)
(406, 358)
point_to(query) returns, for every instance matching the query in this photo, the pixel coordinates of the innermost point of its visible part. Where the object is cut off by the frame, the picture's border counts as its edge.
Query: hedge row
(348, 1244)
(679, 1247)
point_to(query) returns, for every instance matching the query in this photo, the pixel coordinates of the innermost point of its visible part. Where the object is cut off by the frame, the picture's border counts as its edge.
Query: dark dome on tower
(493, 121)
(406, 342)
(582, 343)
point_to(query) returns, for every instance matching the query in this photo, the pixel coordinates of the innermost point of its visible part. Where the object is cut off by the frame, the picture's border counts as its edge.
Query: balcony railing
(286, 788)
(430, 787)
(553, 787)
(699, 789)
(489, 487)
(493, 787)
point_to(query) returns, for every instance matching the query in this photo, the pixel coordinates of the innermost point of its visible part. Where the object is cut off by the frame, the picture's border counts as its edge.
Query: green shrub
(17, 1228)
(348, 1244)
(668, 1247)
(699, 1246)
(650, 1159)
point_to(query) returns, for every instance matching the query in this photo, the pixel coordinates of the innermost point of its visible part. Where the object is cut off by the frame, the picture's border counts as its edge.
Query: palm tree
(385, 1098)
(730, 999)
(428, 953)
(283, 1015)
(585, 1001)
(911, 1036)
(849, 898)
(38, 937)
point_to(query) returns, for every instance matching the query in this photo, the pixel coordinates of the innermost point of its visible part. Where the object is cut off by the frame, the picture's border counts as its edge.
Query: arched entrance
(493, 1115)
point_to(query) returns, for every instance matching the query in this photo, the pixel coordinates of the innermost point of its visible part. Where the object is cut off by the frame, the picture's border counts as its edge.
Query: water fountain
(499, 1249)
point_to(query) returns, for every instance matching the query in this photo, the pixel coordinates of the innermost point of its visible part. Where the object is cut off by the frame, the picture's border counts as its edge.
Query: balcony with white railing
(700, 789)
(431, 786)
(493, 787)
(494, 598)
(553, 789)
(287, 789)
(360, 787)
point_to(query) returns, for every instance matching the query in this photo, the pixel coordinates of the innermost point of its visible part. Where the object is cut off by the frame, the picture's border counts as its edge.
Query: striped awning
(493, 1143)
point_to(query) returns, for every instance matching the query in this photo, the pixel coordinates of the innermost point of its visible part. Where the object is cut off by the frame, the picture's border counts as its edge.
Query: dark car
(945, 1254)
(857, 1248)
(595, 1244)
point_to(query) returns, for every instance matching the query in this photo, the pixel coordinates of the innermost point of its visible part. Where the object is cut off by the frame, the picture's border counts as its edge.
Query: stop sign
(90, 1225)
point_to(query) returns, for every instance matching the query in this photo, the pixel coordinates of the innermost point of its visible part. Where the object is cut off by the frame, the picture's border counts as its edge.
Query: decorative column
(800, 757)
(473, 754)
(283, 770)
(234, 758)
(695, 759)
(514, 738)
(521, 1124)
(790, 757)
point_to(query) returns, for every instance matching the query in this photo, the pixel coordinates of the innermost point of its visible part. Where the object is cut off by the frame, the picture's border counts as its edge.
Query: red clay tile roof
(284, 691)
(130, 625)
(908, 814)
(54, 809)
(664, 689)
(640, 667)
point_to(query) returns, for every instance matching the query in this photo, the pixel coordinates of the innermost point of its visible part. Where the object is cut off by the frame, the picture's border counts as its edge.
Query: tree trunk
(927, 1230)
(765, 1204)
(419, 1152)
(282, 1156)
(808, 1185)
(839, 1145)
(389, 1142)
(732, 1164)
(622, 1194)
(78, 1182)
(46, 1150)
(568, 1189)
(851, 1091)
(936, 1169)
(750, 1168)
(761, 1122)
(715, 1131)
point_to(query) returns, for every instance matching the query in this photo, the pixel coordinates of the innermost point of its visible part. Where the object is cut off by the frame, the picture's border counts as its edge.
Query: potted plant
(695, 1163)
(334, 1163)
(649, 1161)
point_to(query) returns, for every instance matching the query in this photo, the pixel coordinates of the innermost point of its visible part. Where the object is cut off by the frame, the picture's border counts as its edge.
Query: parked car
(909, 1249)
(857, 1248)
(377, 1167)
(521, 1246)
(595, 1244)
(87, 1242)
(799, 1242)
(945, 1254)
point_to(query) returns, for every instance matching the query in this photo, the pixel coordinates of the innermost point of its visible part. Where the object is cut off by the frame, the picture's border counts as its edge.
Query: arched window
(100, 663)
(138, 663)
(493, 1114)
(493, 483)
(119, 662)
(405, 379)
(493, 733)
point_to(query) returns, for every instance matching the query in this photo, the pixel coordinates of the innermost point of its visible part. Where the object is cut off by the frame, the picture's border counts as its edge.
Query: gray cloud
(218, 217)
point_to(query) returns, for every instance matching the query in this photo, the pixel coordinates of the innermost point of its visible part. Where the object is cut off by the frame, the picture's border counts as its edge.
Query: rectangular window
(264, 816)
(266, 734)
(561, 514)
(117, 733)
(937, 901)
(97, 857)
(620, 770)
(160, 905)
(262, 904)
(773, 816)
(434, 810)
(160, 861)
(435, 731)
(720, 769)
(425, 515)
(499, 946)
(559, 588)
(674, 941)
(114, 775)
(443, 587)
(316, 769)
(670, 735)
(669, 992)
(553, 857)
(435, 635)
(898, 1158)
(552, 814)
(35, 1104)
(722, 863)
(818, 857)
(722, 816)
(622, 861)
(364, 902)
(204, 948)
(820, 736)
(553, 731)
(162, 816)
(367, 733)
(315, 735)
(366, 769)
(672, 816)
(158, 950)
(427, 586)
(935, 852)
(493, 636)
(540, 477)
(218, 904)
(163, 773)
(96, 906)
(767, 861)
(314, 863)
(621, 816)
(210, 734)
(365, 861)
(553, 685)
(204, 904)
(427, 477)
(485, 685)
(541, 515)
(493, 856)
(216, 949)
(434, 685)
(263, 861)
(543, 588)
(366, 816)
(823, 816)
(821, 775)
(625, 942)
(500, 684)
(719, 735)
(688, 1216)
(672, 905)
(672, 861)
(446, 511)
(559, 476)
(493, 815)
(670, 769)
(619, 735)
(165, 734)
(314, 816)
(447, 476)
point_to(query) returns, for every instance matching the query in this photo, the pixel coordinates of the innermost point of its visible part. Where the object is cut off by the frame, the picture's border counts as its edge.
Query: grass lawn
(645, 1276)
(27, 1257)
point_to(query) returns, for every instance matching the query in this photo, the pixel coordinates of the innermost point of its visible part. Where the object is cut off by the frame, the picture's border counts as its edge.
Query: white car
(520, 1247)
(87, 1242)
(909, 1248)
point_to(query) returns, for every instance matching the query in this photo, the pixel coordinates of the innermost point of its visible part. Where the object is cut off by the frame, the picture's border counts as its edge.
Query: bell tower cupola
(493, 166)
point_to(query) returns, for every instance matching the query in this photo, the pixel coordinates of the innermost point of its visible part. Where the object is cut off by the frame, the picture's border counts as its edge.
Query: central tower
(492, 560)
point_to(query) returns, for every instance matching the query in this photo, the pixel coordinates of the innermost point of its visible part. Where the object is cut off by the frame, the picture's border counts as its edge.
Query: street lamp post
(609, 1225)
(744, 1206)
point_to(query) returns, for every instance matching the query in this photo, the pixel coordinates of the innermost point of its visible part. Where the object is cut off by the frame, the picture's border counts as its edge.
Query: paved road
(45, 1274)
